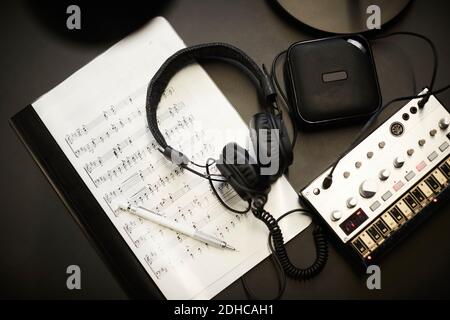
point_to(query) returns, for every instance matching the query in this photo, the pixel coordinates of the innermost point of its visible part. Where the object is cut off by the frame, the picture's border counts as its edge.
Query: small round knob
(399, 162)
(368, 188)
(421, 142)
(444, 123)
(384, 174)
(410, 152)
(336, 215)
(351, 203)
(433, 132)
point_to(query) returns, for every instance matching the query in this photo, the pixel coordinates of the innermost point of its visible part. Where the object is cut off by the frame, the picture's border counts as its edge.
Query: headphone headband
(186, 56)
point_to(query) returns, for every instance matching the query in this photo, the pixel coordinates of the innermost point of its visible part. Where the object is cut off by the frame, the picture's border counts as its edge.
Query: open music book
(97, 117)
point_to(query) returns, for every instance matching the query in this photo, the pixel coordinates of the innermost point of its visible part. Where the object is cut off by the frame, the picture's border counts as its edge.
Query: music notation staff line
(145, 192)
(124, 166)
(133, 159)
(108, 112)
(183, 211)
(120, 124)
(114, 127)
(185, 122)
(99, 162)
(136, 157)
(119, 148)
(115, 151)
(152, 187)
(141, 175)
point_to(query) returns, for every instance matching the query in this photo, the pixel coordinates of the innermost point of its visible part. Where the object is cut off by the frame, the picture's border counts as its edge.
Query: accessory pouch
(332, 80)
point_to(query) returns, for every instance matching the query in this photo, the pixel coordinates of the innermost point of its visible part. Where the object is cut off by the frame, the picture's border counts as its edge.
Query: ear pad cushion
(264, 143)
(260, 121)
(285, 142)
(241, 171)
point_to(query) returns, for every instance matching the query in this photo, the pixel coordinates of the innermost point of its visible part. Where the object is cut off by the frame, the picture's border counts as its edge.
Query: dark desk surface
(39, 239)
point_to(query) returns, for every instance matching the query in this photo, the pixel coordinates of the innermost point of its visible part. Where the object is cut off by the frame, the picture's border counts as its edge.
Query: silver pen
(180, 228)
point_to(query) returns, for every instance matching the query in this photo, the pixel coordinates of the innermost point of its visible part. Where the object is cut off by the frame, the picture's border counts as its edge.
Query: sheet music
(97, 117)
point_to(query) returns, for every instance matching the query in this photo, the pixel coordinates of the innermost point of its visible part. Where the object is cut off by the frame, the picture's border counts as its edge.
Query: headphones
(268, 133)
(237, 168)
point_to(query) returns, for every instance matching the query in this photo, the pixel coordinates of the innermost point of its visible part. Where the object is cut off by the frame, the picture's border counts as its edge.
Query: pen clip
(150, 211)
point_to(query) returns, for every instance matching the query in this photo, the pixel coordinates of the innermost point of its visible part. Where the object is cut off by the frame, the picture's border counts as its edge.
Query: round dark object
(341, 16)
(397, 129)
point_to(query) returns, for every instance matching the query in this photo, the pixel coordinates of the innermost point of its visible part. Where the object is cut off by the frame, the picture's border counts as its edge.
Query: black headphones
(235, 163)
(237, 168)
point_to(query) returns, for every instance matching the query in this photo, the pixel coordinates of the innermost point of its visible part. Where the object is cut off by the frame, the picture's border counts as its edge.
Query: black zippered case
(332, 80)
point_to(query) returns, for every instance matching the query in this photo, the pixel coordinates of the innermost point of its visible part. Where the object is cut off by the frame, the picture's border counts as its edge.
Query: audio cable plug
(423, 101)
(327, 181)
(259, 202)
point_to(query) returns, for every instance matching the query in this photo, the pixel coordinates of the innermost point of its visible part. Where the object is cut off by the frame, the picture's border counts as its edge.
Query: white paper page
(97, 117)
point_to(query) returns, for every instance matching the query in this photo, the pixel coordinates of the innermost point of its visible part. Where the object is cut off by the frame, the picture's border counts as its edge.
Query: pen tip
(230, 247)
(121, 206)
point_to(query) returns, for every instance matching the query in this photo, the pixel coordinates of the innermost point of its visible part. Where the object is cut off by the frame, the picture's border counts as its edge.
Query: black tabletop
(39, 239)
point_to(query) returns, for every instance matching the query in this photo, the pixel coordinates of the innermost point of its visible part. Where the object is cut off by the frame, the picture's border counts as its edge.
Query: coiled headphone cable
(282, 263)
(279, 248)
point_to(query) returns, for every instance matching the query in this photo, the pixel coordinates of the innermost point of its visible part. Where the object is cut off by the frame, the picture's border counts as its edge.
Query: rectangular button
(360, 247)
(372, 231)
(425, 189)
(443, 146)
(396, 214)
(418, 195)
(386, 196)
(375, 205)
(437, 174)
(368, 241)
(401, 205)
(445, 169)
(389, 221)
(398, 185)
(432, 156)
(433, 183)
(410, 175)
(421, 166)
(411, 202)
(382, 227)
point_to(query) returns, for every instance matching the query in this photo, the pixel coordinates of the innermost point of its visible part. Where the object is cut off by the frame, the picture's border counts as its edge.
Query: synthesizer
(388, 183)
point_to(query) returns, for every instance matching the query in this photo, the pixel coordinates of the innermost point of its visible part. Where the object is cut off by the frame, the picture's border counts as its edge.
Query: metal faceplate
(378, 171)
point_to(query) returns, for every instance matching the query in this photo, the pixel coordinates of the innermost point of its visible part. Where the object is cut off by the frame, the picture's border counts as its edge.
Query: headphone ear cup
(259, 127)
(285, 142)
(269, 149)
(241, 171)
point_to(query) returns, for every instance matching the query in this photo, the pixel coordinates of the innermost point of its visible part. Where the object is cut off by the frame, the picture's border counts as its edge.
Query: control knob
(336, 215)
(368, 188)
(444, 123)
(351, 203)
(384, 174)
(399, 162)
